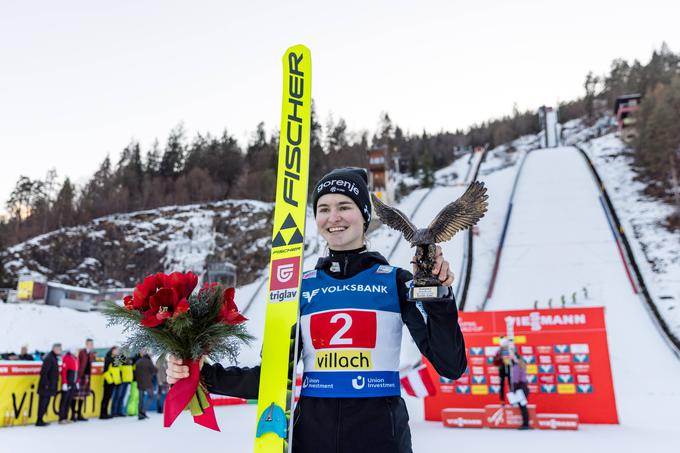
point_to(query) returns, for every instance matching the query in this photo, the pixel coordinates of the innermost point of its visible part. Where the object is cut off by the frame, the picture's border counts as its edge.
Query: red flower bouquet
(163, 316)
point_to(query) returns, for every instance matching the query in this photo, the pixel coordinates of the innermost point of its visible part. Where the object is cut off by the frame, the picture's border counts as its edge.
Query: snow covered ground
(558, 243)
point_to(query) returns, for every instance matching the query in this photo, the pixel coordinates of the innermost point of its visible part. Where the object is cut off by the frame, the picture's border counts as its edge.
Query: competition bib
(351, 331)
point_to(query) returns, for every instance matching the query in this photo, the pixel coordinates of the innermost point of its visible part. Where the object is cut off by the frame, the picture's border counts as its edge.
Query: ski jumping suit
(351, 316)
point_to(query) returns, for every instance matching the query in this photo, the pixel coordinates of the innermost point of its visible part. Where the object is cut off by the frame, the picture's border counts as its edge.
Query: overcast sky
(80, 79)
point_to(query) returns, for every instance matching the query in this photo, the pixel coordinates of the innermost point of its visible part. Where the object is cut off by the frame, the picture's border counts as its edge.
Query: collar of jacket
(348, 263)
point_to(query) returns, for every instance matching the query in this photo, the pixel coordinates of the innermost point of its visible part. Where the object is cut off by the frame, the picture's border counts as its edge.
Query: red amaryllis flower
(183, 284)
(163, 305)
(229, 313)
(146, 289)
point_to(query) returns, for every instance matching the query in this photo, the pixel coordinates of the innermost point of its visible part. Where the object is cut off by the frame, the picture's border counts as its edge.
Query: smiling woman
(353, 308)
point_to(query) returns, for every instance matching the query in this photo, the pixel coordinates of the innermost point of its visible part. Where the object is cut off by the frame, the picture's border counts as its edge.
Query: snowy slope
(638, 356)
(559, 242)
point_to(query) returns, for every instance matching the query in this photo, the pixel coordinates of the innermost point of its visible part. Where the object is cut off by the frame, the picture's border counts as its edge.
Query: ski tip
(298, 49)
(273, 420)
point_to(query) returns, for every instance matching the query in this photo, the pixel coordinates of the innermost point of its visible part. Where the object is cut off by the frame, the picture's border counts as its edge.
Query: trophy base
(429, 294)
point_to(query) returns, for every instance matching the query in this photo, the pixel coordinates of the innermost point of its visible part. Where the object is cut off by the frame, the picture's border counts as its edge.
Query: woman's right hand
(176, 370)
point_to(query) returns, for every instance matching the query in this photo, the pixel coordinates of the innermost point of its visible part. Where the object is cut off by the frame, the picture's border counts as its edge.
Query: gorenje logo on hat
(339, 185)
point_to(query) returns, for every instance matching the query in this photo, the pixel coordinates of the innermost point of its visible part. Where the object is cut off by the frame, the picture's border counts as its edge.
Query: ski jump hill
(557, 240)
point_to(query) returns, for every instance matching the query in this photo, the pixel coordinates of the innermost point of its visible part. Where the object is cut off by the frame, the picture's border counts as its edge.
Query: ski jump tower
(547, 117)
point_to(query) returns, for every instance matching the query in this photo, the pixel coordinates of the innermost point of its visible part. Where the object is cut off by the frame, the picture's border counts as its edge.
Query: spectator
(49, 379)
(119, 405)
(503, 362)
(69, 373)
(144, 373)
(111, 375)
(162, 380)
(520, 383)
(85, 358)
(24, 355)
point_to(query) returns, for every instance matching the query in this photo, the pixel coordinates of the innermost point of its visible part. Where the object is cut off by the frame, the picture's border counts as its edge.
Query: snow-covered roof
(72, 288)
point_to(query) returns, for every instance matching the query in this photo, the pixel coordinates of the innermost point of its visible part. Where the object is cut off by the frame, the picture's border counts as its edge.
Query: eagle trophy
(454, 217)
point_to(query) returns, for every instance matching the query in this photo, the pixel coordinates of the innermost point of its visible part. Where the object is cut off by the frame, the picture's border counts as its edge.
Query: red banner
(567, 363)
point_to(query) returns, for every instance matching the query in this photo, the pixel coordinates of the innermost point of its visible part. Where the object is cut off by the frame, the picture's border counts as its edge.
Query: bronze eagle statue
(454, 217)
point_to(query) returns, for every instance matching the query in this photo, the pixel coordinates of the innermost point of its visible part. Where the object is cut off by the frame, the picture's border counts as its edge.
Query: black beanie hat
(349, 181)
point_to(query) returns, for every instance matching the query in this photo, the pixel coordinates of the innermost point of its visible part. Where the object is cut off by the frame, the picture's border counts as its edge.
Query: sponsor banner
(562, 358)
(497, 416)
(567, 360)
(478, 360)
(19, 399)
(463, 418)
(346, 384)
(557, 421)
(480, 390)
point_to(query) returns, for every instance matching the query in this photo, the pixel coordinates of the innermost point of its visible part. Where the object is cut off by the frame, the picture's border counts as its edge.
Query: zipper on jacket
(389, 409)
(344, 273)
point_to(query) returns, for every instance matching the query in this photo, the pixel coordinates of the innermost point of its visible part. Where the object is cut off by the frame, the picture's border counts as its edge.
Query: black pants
(43, 404)
(504, 374)
(77, 408)
(66, 398)
(106, 399)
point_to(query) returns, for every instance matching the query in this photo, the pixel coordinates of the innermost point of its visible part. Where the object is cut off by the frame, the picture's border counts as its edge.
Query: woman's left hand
(440, 269)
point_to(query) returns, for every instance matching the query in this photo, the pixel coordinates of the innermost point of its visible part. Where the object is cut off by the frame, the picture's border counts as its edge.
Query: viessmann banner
(566, 352)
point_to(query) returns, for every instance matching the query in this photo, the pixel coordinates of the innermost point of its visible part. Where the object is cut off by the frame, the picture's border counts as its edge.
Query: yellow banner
(19, 399)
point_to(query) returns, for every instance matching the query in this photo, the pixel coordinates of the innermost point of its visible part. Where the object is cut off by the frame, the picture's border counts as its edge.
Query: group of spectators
(75, 373)
(23, 355)
(119, 373)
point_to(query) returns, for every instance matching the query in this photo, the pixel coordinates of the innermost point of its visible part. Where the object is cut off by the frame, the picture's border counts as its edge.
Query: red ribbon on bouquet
(180, 395)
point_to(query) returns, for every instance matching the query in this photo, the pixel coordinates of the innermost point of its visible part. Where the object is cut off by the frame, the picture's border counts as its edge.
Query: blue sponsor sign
(548, 388)
(530, 359)
(463, 389)
(565, 378)
(561, 348)
(476, 351)
(584, 388)
(546, 369)
(479, 379)
(531, 378)
(581, 358)
(494, 389)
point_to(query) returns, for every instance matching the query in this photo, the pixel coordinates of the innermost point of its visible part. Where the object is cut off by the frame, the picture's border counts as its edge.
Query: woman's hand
(176, 370)
(440, 269)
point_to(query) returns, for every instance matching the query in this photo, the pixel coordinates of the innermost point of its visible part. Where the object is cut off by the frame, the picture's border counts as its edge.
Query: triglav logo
(309, 296)
(283, 285)
(285, 272)
(359, 382)
(305, 383)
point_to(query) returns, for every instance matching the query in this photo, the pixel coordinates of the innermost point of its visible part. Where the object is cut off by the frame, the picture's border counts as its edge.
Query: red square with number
(343, 329)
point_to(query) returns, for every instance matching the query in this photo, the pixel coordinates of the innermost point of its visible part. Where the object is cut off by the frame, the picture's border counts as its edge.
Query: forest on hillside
(207, 168)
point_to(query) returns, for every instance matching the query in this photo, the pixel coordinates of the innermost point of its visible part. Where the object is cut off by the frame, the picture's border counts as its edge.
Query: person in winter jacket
(86, 357)
(48, 383)
(162, 382)
(144, 374)
(120, 391)
(503, 361)
(520, 382)
(69, 372)
(353, 305)
(111, 375)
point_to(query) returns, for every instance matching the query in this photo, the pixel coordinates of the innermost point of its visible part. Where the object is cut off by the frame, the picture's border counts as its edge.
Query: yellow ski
(275, 401)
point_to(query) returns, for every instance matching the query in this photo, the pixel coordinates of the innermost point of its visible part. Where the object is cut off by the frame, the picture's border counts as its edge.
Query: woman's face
(340, 222)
